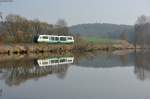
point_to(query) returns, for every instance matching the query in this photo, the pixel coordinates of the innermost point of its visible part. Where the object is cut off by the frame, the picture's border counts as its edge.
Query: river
(96, 75)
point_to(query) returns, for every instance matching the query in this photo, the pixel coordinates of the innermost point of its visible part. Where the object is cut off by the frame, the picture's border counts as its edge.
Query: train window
(69, 38)
(45, 37)
(56, 38)
(63, 38)
(62, 60)
(45, 63)
(52, 38)
(54, 61)
(69, 60)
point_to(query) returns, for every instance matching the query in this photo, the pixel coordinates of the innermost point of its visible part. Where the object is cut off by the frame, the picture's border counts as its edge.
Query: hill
(103, 30)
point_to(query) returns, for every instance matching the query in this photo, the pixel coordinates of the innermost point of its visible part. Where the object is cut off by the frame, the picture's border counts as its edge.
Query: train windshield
(45, 37)
(69, 38)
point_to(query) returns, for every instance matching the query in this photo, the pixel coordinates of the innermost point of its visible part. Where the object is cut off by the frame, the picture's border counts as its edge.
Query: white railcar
(55, 39)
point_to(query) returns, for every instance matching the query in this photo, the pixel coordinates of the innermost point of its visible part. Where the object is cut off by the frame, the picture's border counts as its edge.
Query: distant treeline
(18, 29)
(104, 30)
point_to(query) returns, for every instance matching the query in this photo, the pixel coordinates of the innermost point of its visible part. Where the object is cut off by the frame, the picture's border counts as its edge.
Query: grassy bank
(97, 43)
(99, 40)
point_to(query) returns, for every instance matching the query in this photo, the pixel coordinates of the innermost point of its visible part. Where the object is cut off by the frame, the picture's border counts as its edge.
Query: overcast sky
(79, 11)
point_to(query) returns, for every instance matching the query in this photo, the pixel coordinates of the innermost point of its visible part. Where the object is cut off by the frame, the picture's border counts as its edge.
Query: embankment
(41, 48)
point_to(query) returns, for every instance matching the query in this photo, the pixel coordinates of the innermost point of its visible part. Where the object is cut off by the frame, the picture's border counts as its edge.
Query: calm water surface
(117, 75)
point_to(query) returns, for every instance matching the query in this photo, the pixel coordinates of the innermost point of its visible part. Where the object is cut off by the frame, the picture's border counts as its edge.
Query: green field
(99, 40)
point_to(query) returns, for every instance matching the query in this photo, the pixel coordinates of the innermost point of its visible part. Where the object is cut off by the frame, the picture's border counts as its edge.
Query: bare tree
(124, 36)
(1, 17)
(61, 23)
(142, 31)
(143, 20)
(61, 27)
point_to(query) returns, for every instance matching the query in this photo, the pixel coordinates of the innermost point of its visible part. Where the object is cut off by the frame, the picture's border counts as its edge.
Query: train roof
(48, 35)
(56, 35)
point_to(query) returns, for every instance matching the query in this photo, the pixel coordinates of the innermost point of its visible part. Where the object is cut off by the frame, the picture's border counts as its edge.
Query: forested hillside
(104, 30)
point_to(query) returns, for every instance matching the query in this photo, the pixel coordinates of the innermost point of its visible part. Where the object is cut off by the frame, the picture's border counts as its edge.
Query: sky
(79, 11)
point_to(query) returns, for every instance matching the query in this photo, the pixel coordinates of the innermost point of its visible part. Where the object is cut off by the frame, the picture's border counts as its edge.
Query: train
(53, 39)
(55, 61)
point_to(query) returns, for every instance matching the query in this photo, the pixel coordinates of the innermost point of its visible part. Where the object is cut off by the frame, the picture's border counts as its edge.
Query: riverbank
(55, 48)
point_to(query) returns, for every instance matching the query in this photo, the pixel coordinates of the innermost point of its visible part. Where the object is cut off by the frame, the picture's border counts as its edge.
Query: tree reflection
(17, 72)
(142, 65)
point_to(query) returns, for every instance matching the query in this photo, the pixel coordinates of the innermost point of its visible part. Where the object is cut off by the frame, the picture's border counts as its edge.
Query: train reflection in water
(16, 72)
(55, 61)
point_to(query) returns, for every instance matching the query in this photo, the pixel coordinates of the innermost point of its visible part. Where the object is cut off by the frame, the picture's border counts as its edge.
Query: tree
(16, 23)
(124, 36)
(61, 27)
(1, 17)
(35, 25)
(143, 20)
(61, 23)
(142, 31)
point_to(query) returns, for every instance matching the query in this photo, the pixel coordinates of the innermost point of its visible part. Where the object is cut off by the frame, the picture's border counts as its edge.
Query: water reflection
(107, 60)
(142, 65)
(16, 76)
(15, 71)
(18, 71)
(55, 61)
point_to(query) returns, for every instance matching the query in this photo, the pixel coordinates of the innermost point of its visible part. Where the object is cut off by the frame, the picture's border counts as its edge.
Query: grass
(99, 40)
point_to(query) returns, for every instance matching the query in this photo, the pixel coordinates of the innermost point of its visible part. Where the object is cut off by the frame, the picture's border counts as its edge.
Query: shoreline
(26, 48)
